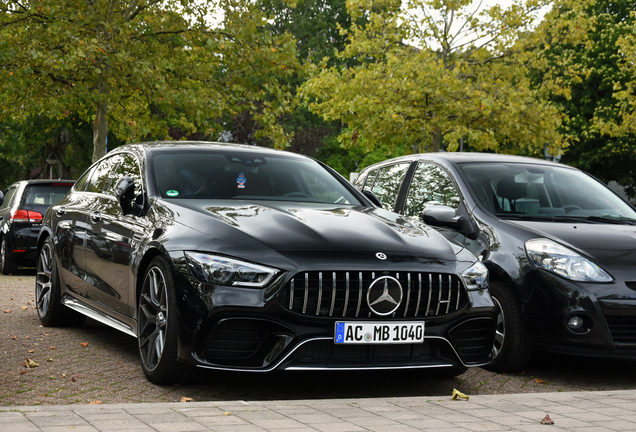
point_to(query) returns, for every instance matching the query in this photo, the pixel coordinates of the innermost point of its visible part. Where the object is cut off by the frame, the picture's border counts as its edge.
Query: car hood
(296, 229)
(611, 246)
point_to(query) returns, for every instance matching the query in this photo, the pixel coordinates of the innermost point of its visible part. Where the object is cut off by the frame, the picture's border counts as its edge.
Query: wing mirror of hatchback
(1, 198)
(125, 193)
(372, 197)
(445, 216)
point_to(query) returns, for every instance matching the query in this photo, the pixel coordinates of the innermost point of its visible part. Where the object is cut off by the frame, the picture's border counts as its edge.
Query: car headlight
(476, 277)
(558, 259)
(222, 270)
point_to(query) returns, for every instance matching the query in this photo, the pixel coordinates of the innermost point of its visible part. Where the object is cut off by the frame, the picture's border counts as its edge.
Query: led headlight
(222, 270)
(476, 277)
(558, 259)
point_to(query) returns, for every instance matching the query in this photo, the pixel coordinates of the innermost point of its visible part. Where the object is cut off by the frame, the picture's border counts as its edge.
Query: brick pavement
(578, 411)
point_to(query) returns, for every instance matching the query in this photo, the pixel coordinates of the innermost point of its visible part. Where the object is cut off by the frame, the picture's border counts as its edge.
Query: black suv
(21, 208)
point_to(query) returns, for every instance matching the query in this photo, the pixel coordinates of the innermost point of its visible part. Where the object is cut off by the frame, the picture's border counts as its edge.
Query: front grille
(326, 353)
(473, 339)
(623, 329)
(343, 294)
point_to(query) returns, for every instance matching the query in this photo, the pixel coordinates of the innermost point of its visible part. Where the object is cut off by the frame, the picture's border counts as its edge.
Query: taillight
(26, 216)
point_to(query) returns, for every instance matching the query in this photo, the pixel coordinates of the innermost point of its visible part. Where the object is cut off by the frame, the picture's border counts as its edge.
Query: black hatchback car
(21, 208)
(560, 246)
(242, 258)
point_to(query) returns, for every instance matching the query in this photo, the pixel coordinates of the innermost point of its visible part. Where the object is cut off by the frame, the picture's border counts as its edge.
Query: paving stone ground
(94, 363)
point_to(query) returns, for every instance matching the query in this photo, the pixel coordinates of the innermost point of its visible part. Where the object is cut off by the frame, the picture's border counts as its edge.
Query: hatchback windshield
(522, 190)
(46, 193)
(236, 174)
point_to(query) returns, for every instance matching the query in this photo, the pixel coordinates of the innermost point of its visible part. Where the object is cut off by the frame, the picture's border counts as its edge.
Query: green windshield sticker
(172, 193)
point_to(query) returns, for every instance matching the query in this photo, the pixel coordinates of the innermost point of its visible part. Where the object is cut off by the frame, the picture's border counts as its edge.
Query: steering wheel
(571, 208)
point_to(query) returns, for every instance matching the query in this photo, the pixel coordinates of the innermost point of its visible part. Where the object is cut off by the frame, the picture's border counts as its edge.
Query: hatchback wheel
(510, 352)
(157, 326)
(48, 293)
(7, 264)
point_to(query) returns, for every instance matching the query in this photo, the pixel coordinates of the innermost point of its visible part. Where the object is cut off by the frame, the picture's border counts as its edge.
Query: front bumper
(229, 328)
(608, 311)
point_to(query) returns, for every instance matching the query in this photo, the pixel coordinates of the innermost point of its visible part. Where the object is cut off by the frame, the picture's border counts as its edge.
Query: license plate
(379, 333)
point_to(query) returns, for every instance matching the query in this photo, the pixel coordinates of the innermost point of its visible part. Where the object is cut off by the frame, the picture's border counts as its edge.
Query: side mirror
(1, 198)
(372, 197)
(445, 216)
(125, 193)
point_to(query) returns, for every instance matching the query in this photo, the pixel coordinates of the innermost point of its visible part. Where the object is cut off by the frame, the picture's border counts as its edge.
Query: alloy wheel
(500, 334)
(43, 279)
(153, 318)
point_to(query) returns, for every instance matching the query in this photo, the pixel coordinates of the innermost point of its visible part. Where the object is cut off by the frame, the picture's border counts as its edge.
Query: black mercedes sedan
(243, 258)
(559, 245)
(21, 208)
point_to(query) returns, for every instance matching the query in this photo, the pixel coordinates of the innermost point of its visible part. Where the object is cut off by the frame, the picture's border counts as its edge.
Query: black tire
(511, 352)
(48, 294)
(7, 264)
(157, 326)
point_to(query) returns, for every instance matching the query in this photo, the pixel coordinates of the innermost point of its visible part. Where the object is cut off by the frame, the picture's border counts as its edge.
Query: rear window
(45, 194)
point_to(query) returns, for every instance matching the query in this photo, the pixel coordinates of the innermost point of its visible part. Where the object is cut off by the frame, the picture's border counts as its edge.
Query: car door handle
(96, 217)
(60, 211)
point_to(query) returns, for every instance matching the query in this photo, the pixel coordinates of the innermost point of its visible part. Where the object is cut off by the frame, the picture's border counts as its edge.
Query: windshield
(45, 193)
(238, 174)
(514, 190)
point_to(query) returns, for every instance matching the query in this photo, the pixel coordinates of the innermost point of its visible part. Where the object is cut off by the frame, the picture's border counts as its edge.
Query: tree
(432, 74)
(142, 68)
(585, 64)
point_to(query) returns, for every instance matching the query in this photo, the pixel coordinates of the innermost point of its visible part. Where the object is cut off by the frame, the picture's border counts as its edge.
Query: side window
(430, 185)
(368, 184)
(387, 184)
(104, 176)
(82, 183)
(8, 197)
(130, 168)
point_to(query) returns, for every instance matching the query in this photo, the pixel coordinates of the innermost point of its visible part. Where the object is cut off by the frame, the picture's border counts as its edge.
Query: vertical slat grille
(343, 294)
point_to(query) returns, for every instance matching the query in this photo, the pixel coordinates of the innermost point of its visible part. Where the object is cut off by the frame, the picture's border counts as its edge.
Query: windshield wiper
(620, 220)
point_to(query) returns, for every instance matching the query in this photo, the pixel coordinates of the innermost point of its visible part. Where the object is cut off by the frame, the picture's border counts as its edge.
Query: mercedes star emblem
(384, 295)
(380, 255)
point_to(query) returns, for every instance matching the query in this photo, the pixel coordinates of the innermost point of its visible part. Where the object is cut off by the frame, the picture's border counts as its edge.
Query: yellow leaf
(84, 344)
(96, 403)
(539, 381)
(228, 413)
(457, 394)
(186, 399)
(28, 363)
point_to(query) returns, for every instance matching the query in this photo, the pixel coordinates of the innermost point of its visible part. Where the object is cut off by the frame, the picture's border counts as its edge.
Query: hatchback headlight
(558, 259)
(476, 277)
(222, 270)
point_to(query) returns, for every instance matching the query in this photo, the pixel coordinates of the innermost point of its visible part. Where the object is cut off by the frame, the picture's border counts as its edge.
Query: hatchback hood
(611, 246)
(299, 227)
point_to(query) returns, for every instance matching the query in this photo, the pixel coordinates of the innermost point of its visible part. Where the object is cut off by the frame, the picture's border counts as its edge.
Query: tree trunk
(436, 140)
(100, 126)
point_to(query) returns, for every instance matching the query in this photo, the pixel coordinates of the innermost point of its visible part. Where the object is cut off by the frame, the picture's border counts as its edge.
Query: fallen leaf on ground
(522, 373)
(51, 347)
(24, 308)
(84, 344)
(228, 413)
(186, 399)
(73, 379)
(14, 338)
(27, 337)
(539, 381)
(30, 363)
(30, 351)
(96, 403)
(7, 311)
(23, 372)
(49, 360)
(547, 420)
(457, 394)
